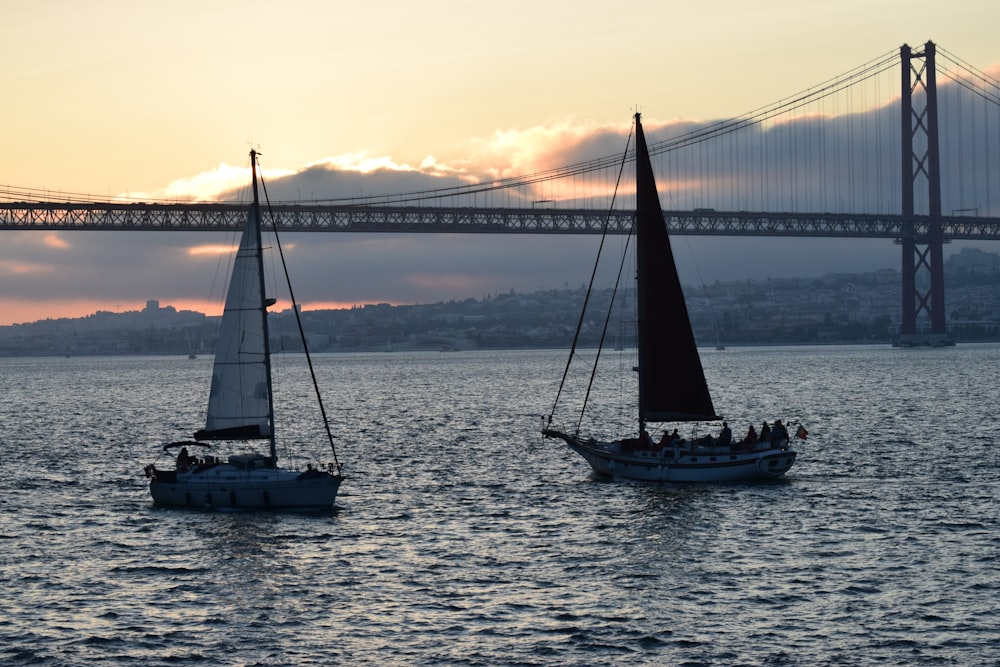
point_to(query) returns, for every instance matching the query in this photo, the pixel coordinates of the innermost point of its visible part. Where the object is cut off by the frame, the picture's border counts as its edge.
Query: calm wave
(462, 537)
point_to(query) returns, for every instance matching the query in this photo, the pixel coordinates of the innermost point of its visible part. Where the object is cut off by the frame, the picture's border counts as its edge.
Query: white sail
(239, 406)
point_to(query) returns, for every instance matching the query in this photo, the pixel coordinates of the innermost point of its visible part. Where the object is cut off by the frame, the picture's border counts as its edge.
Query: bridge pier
(923, 257)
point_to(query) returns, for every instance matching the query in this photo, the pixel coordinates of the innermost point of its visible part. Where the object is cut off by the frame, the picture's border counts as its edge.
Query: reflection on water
(462, 537)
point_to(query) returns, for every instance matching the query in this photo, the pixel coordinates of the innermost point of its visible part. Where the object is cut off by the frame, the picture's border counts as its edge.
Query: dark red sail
(672, 383)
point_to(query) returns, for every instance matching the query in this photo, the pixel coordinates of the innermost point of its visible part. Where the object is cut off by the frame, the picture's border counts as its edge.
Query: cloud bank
(814, 162)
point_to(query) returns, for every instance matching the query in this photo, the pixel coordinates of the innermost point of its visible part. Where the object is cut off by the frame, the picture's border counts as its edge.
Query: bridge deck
(437, 220)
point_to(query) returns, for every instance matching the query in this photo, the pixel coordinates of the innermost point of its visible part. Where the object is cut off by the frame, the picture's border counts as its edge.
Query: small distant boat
(241, 408)
(672, 386)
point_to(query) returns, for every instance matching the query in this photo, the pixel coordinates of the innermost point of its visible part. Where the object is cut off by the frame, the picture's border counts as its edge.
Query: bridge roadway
(442, 220)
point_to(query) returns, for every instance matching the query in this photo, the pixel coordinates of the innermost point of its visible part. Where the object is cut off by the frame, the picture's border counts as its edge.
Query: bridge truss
(443, 220)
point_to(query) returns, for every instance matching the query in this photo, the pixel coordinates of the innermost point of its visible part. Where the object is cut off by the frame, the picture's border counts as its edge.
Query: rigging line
(590, 287)
(604, 331)
(694, 260)
(298, 321)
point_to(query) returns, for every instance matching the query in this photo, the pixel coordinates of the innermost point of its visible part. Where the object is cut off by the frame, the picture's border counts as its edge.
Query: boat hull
(227, 487)
(666, 464)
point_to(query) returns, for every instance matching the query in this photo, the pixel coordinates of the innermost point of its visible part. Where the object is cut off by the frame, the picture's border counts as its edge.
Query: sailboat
(718, 340)
(241, 408)
(671, 380)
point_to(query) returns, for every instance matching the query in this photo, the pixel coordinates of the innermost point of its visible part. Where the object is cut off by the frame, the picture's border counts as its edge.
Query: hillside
(837, 308)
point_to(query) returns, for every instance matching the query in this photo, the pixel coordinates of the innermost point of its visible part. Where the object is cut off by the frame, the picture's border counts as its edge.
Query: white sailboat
(241, 408)
(671, 386)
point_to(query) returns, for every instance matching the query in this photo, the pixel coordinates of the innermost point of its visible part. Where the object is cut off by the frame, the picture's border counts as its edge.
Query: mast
(263, 306)
(640, 288)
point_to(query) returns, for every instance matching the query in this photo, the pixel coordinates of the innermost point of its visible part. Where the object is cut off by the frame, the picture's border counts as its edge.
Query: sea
(462, 537)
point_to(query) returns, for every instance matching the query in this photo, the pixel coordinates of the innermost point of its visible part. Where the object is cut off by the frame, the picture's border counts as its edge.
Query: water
(463, 538)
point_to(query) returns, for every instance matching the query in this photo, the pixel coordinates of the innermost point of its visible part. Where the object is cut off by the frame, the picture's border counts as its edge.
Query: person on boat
(311, 472)
(644, 439)
(751, 437)
(765, 433)
(184, 459)
(725, 435)
(778, 433)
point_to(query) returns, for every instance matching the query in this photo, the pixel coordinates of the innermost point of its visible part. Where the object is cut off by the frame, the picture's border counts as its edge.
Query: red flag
(801, 432)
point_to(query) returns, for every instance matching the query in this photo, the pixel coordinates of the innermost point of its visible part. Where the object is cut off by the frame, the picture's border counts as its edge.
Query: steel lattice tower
(921, 252)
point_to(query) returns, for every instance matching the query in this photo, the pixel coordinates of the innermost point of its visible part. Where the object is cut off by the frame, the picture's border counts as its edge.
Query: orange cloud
(211, 249)
(13, 267)
(360, 162)
(53, 240)
(208, 185)
(518, 152)
(214, 249)
(18, 311)
(211, 308)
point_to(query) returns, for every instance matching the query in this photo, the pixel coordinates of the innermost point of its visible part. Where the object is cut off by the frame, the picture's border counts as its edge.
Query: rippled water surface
(463, 538)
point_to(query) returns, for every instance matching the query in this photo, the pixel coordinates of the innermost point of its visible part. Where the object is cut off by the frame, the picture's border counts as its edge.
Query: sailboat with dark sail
(671, 380)
(241, 407)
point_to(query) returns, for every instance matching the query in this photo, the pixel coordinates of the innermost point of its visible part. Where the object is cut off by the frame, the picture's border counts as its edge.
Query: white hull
(228, 487)
(671, 384)
(667, 464)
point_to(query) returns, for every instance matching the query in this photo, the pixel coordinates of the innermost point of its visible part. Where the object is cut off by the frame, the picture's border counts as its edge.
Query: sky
(156, 100)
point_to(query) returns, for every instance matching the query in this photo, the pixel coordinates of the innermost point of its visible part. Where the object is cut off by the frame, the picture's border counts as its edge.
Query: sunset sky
(163, 101)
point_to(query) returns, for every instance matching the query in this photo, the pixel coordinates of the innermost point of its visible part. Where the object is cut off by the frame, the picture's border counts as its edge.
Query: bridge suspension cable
(990, 90)
(784, 106)
(882, 63)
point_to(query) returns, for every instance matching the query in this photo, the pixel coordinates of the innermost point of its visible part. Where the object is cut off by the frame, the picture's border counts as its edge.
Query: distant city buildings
(836, 308)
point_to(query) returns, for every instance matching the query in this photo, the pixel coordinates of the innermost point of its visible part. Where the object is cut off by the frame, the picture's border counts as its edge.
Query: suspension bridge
(882, 151)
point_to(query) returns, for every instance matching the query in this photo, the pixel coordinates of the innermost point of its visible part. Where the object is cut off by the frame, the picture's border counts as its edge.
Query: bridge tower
(923, 257)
